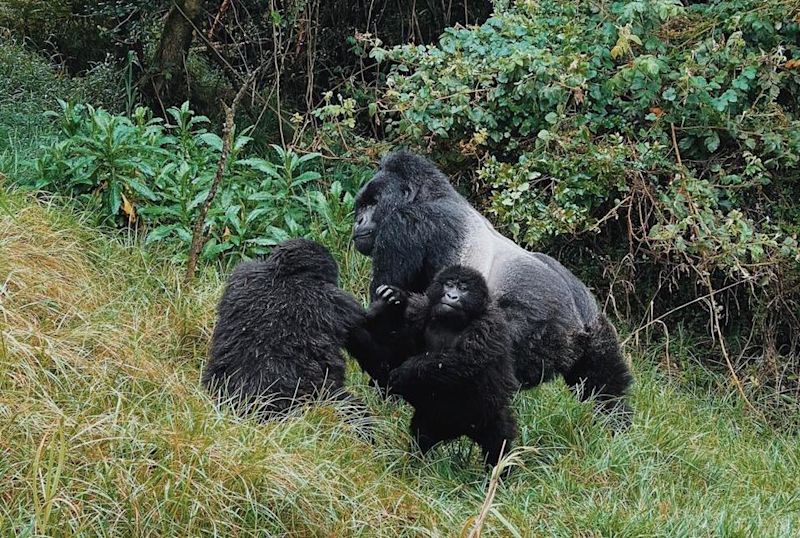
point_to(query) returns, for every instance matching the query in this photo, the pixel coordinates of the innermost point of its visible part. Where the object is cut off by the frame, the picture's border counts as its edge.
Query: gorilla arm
(348, 310)
(390, 334)
(480, 345)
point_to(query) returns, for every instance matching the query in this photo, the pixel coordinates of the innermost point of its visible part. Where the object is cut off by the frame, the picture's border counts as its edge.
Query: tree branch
(198, 237)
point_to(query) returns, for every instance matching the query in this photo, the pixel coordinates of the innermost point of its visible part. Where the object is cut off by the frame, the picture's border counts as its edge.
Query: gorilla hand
(388, 300)
(392, 295)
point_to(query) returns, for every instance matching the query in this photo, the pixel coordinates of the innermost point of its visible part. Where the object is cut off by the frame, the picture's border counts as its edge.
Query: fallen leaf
(128, 209)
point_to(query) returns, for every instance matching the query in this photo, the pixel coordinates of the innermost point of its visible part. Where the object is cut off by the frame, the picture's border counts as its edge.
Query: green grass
(28, 87)
(105, 430)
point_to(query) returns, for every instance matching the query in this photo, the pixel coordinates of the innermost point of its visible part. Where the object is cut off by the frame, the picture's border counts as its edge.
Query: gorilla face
(364, 229)
(457, 295)
(383, 195)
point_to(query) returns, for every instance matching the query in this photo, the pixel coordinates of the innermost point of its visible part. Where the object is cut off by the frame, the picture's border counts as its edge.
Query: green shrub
(28, 85)
(78, 33)
(140, 170)
(661, 140)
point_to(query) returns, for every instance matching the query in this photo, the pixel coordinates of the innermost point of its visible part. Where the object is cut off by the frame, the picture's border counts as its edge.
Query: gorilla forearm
(459, 367)
(388, 336)
(427, 371)
(371, 355)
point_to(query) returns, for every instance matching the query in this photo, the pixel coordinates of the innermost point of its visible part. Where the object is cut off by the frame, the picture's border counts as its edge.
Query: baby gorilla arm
(428, 371)
(477, 347)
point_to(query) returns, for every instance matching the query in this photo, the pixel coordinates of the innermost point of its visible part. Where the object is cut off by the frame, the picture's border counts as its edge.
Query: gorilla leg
(601, 372)
(496, 436)
(541, 353)
(427, 433)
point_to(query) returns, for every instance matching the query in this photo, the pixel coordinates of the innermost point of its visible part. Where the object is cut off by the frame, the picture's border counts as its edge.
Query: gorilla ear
(410, 192)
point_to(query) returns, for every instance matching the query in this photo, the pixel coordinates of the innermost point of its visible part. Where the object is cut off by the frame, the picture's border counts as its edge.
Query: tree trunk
(169, 64)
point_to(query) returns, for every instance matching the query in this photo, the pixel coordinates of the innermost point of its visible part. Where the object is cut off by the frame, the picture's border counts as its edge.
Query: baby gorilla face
(454, 294)
(458, 294)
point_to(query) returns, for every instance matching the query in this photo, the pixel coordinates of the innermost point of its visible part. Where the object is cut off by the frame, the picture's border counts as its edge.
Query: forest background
(146, 147)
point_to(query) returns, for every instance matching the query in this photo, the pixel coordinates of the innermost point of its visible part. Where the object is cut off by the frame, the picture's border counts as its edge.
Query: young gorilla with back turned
(460, 378)
(281, 324)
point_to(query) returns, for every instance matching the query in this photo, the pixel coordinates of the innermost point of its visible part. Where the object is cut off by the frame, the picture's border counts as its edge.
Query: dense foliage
(672, 132)
(141, 170)
(651, 145)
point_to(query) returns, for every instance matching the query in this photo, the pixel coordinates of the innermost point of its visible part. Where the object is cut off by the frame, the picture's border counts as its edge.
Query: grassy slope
(105, 431)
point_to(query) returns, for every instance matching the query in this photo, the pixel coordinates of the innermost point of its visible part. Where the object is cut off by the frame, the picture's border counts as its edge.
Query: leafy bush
(142, 171)
(78, 33)
(664, 138)
(30, 83)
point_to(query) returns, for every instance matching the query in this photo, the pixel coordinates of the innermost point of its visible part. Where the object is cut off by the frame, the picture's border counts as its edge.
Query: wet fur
(460, 378)
(281, 324)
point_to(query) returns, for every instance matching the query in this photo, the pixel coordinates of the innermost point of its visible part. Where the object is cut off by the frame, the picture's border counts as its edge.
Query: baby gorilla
(281, 324)
(461, 381)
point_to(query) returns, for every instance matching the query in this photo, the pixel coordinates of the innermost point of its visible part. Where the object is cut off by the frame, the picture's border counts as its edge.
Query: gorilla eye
(462, 286)
(449, 283)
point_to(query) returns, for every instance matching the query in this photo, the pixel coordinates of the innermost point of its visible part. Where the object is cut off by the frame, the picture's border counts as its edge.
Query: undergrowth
(105, 431)
(650, 145)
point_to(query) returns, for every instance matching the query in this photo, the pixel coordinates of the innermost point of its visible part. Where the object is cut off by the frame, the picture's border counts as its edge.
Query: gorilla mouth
(448, 307)
(364, 242)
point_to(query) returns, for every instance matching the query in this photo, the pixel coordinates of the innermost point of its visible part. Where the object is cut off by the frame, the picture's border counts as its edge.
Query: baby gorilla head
(457, 295)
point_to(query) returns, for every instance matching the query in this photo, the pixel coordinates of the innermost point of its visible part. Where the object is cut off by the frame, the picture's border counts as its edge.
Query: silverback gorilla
(281, 324)
(460, 378)
(413, 223)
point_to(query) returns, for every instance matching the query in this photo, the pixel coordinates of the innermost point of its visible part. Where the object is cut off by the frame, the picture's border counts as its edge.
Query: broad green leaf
(159, 233)
(211, 140)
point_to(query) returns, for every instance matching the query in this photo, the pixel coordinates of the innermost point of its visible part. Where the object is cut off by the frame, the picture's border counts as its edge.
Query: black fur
(412, 223)
(281, 324)
(460, 378)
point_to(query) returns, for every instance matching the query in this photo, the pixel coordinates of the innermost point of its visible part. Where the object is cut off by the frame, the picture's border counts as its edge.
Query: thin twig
(681, 307)
(198, 238)
(278, 71)
(223, 8)
(675, 145)
(723, 347)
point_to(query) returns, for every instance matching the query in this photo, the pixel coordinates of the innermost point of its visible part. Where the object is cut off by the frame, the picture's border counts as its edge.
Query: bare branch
(198, 238)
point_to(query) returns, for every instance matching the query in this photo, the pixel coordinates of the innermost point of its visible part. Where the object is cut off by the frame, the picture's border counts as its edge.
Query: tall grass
(105, 431)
